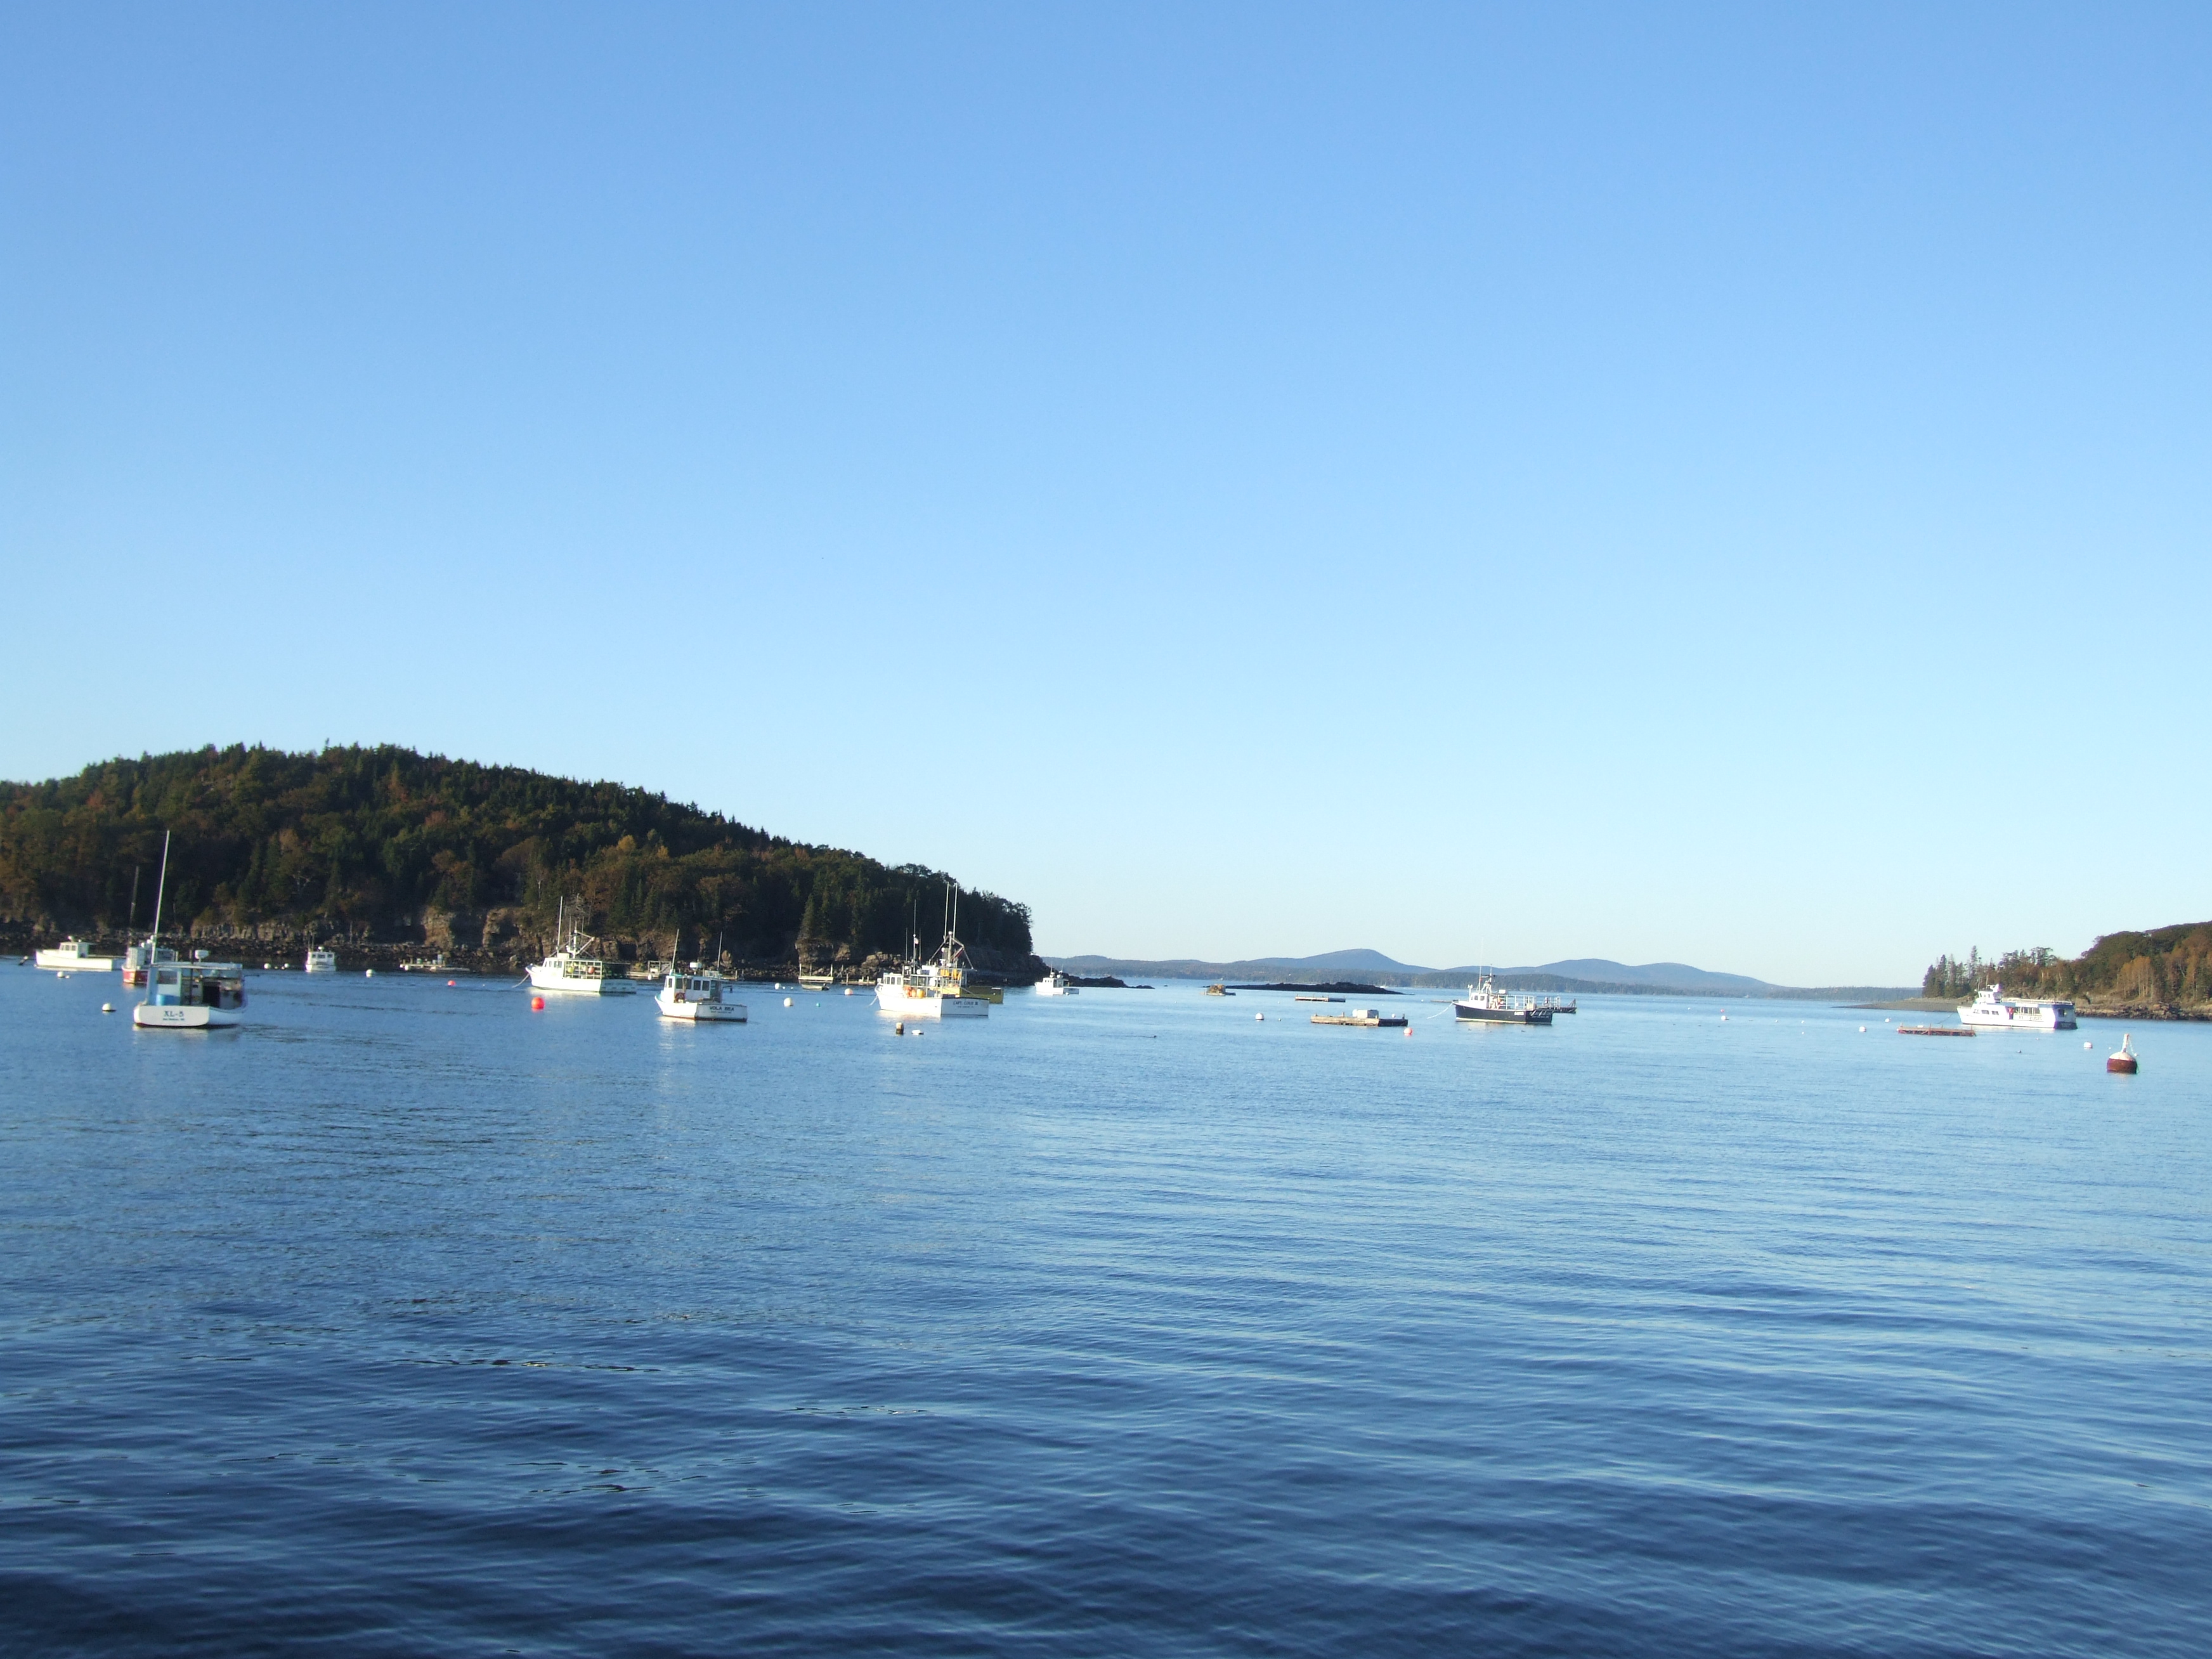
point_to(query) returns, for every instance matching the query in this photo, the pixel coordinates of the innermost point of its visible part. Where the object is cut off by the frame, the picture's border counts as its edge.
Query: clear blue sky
(1725, 484)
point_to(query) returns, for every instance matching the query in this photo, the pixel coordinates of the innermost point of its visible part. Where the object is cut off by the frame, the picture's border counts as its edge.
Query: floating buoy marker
(107, 1007)
(787, 1002)
(537, 1005)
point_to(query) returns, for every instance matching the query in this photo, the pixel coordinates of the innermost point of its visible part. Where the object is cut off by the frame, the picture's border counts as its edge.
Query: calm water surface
(407, 1320)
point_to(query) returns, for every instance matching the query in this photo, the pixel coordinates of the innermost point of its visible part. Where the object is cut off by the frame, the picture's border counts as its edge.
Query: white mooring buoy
(787, 1002)
(107, 1007)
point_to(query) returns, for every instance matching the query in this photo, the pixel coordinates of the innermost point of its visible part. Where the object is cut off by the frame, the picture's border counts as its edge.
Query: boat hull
(173, 1017)
(543, 979)
(2020, 1017)
(701, 1013)
(69, 961)
(928, 1004)
(1502, 1016)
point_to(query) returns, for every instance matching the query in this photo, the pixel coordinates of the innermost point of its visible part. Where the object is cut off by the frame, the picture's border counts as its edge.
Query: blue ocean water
(407, 1321)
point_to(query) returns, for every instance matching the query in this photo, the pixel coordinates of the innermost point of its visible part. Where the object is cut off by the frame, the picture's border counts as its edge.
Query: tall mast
(131, 925)
(161, 887)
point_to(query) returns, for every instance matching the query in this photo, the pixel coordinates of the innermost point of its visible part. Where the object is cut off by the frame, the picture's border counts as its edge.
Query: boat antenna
(161, 887)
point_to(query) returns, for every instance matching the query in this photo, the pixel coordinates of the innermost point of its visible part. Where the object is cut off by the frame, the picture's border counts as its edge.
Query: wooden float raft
(1934, 1031)
(1360, 1017)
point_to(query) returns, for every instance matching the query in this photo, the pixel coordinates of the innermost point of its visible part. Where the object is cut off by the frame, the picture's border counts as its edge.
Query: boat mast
(131, 925)
(161, 887)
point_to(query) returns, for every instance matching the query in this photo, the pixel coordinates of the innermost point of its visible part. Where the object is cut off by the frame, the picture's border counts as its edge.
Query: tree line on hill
(379, 842)
(2165, 968)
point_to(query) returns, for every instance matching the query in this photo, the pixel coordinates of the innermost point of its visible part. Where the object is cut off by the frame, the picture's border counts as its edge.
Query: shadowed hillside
(386, 844)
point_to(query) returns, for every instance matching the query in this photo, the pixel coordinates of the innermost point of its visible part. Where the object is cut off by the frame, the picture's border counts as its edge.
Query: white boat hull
(172, 1018)
(1989, 1011)
(552, 979)
(914, 1004)
(69, 961)
(322, 961)
(701, 1013)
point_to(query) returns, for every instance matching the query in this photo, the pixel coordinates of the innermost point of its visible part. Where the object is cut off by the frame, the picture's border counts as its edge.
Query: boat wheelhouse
(1055, 984)
(1992, 1008)
(74, 956)
(700, 995)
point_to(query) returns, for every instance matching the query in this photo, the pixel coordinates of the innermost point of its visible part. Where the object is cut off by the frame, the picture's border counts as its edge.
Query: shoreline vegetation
(388, 856)
(2165, 973)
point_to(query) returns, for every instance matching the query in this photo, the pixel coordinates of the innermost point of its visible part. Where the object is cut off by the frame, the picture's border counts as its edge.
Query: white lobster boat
(74, 956)
(938, 988)
(700, 995)
(199, 995)
(321, 960)
(1992, 1008)
(571, 971)
(1055, 984)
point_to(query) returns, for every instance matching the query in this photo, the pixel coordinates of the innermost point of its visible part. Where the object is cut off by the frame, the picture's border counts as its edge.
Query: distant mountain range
(1591, 974)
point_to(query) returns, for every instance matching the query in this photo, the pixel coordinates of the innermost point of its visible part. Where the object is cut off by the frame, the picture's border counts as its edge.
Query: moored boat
(1486, 1004)
(700, 995)
(321, 960)
(1055, 984)
(1991, 1007)
(572, 971)
(199, 995)
(938, 988)
(74, 956)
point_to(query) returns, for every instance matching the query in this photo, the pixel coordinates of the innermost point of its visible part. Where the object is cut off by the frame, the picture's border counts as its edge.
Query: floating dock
(1934, 1031)
(1360, 1017)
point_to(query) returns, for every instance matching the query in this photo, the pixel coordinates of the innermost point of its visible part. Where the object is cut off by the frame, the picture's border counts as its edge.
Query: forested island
(384, 846)
(2165, 973)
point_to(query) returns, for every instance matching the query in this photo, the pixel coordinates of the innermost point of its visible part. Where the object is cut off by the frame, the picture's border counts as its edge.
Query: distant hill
(1673, 976)
(1588, 975)
(383, 843)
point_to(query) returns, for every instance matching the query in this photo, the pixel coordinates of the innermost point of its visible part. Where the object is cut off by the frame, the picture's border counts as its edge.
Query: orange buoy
(537, 1005)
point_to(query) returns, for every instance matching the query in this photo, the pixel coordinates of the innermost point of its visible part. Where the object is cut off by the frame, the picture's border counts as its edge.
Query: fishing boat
(1992, 1007)
(199, 995)
(699, 995)
(1486, 1004)
(1055, 984)
(321, 960)
(74, 956)
(572, 970)
(938, 988)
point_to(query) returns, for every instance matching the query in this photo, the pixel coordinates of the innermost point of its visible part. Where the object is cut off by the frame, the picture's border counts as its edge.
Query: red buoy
(537, 1005)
